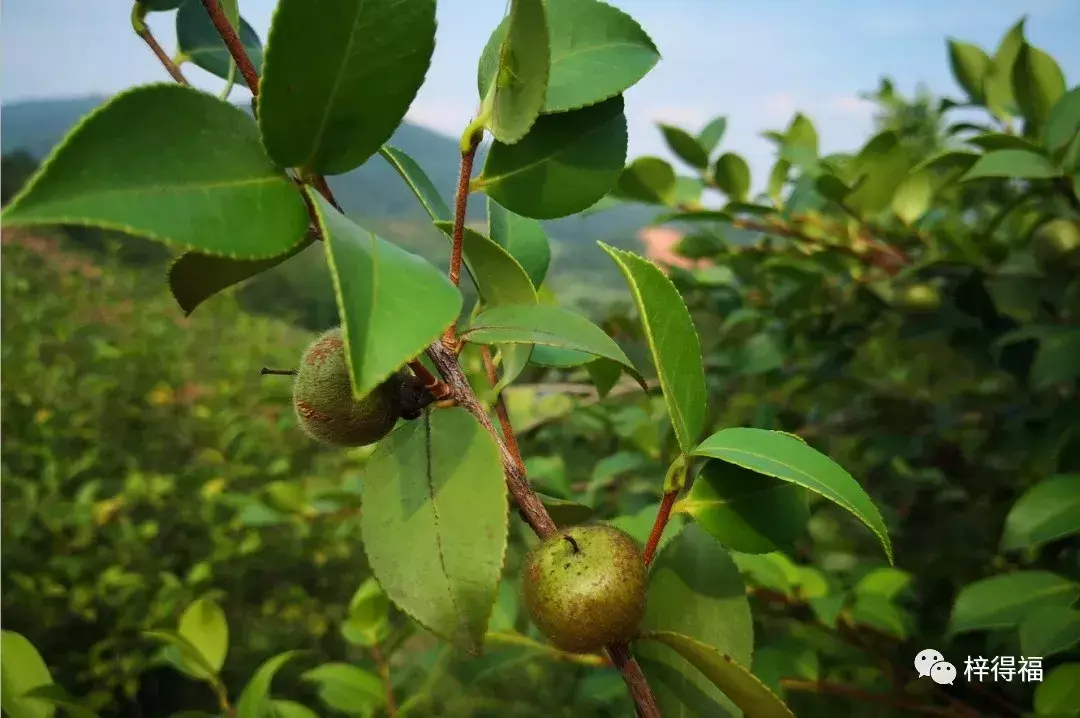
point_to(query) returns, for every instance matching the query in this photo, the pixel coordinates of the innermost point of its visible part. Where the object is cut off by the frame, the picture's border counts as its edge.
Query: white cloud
(780, 106)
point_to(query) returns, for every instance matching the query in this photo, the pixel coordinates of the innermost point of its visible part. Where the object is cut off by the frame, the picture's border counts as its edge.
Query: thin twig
(635, 680)
(319, 182)
(500, 410)
(232, 42)
(437, 388)
(279, 372)
(461, 200)
(384, 673)
(148, 37)
(662, 517)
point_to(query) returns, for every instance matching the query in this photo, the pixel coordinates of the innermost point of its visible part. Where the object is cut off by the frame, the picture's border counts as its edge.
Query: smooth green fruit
(324, 403)
(1057, 240)
(585, 587)
(918, 298)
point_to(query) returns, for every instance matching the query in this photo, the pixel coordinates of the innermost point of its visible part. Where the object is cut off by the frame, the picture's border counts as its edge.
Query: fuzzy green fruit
(585, 587)
(1055, 241)
(918, 298)
(324, 403)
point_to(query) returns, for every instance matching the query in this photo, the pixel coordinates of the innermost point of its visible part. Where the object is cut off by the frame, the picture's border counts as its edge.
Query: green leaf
(685, 146)
(290, 709)
(349, 689)
(523, 238)
(418, 182)
(58, 696)
(204, 626)
(597, 52)
(255, 700)
(887, 583)
(694, 589)
(566, 513)
(1018, 164)
(880, 614)
(195, 277)
(1037, 84)
(711, 134)
(171, 164)
(337, 82)
(1048, 511)
(777, 179)
(189, 659)
(1059, 694)
(997, 84)
(368, 619)
(884, 164)
(160, 5)
(784, 457)
(1050, 630)
(732, 176)
(1055, 361)
(392, 303)
(435, 523)
(948, 161)
(547, 325)
(21, 670)
(673, 342)
(516, 86)
(647, 179)
(740, 685)
(566, 163)
(991, 141)
(912, 198)
(970, 65)
(1063, 124)
(744, 510)
(197, 39)
(801, 135)
(1003, 601)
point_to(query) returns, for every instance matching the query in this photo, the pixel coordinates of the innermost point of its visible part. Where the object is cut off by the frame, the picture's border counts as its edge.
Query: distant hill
(375, 193)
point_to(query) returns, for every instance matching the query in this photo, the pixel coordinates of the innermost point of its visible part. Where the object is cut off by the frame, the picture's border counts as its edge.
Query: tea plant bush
(238, 197)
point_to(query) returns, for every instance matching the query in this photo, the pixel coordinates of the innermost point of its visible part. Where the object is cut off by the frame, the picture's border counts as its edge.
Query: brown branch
(500, 410)
(384, 673)
(232, 42)
(319, 182)
(461, 201)
(662, 517)
(635, 680)
(171, 67)
(792, 684)
(279, 372)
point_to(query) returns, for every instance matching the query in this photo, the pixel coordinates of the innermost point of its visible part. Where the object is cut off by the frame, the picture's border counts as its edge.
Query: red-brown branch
(170, 66)
(432, 383)
(232, 42)
(500, 410)
(662, 517)
(461, 201)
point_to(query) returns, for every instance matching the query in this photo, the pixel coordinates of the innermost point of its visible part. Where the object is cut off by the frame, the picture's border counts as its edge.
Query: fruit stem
(662, 517)
(138, 24)
(232, 42)
(577, 549)
(438, 389)
(280, 372)
(469, 142)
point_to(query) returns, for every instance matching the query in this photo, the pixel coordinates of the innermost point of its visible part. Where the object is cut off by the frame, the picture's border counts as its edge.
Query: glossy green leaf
(882, 615)
(290, 709)
(435, 523)
(1048, 511)
(647, 179)
(56, 695)
(711, 134)
(801, 135)
(1018, 164)
(740, 685)
(948, 160)
(418, 181)
(21, 670)
(564, 512)
(1063, 124)
(204, 626)
(888, 583)
(694, 589)
(171, 164)
(523, 238)
(685, 146)
(732, 176)
(195, 277)
(160, 5)
(1058, 694)
(188, 658)
(347, 688)
(1005, 600)
(744, 510)
(990, 141)
(337, 82)
(197, 39)
(565, 164)
(255, 700)
(368, 619)
(392, 303)
(997, 84)
(884, 164)
(784, 457)
(514, 88)
(597, 52)
(1050, 630)
(969, 64)
(1037, 84)
(547, 325)
(551, 356)
(913, 196)
(673, 342)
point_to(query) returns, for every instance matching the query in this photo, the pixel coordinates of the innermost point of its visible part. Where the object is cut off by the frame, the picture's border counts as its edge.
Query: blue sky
(757, 62)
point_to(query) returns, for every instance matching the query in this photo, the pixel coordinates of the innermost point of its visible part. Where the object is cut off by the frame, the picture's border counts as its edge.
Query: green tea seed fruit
(585, 587)
(918, 298)
(324, 402)
(1055, 241)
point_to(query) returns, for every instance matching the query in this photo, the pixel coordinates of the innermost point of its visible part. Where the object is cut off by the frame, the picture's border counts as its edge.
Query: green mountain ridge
(375, 194)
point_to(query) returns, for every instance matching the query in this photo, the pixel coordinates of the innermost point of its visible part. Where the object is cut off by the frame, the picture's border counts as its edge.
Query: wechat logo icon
(931, 663)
